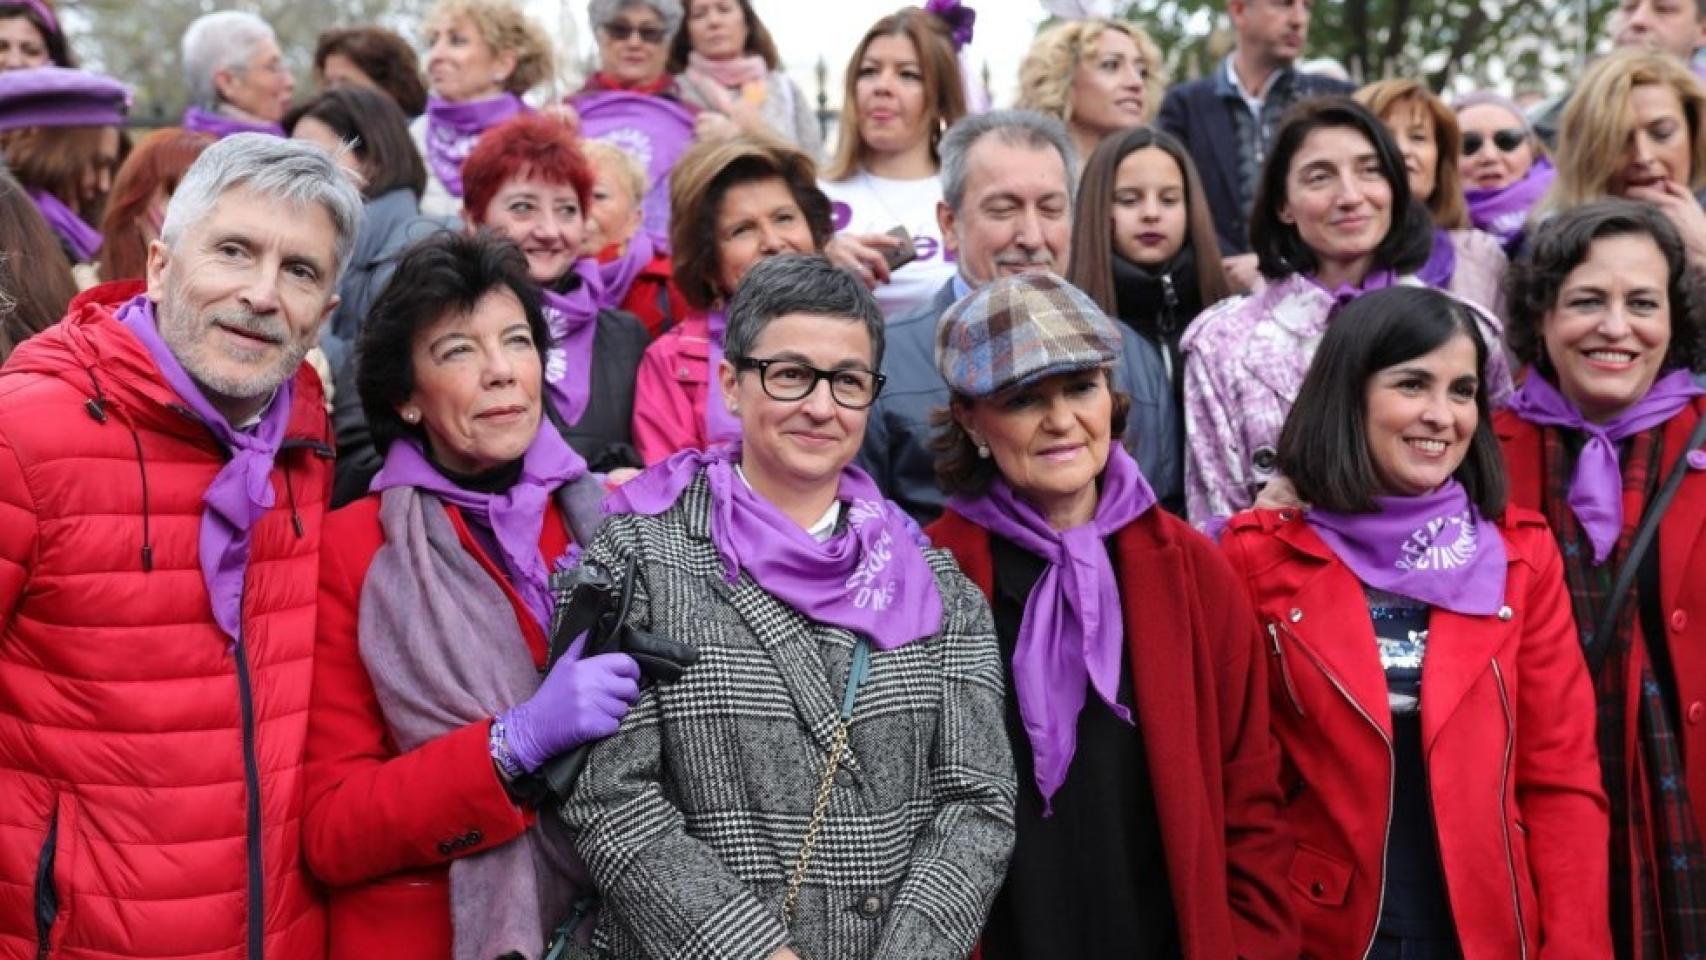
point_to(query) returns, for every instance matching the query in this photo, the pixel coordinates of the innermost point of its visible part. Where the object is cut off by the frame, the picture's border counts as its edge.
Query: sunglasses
(1506, 140)
(620, 32)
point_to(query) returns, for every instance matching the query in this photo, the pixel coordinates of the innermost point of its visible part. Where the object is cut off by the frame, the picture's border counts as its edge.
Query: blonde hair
(944, 91)
(1593, 135)
(625, 166)
(1045, 76)
(506, 30)
(1450, 211)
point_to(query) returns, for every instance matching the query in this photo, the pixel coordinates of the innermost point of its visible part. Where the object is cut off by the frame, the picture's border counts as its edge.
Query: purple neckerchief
(1596, 490)
(572, 318)
(220, 126)
(617, 275)
(1072, 630)
(241, 492)
(1503, 211)
(1442, 262)
(871, 578)
(516, 517)
(81, 239)
(452, 129)
(720, 425)
(1347, 292)
(1436, 548)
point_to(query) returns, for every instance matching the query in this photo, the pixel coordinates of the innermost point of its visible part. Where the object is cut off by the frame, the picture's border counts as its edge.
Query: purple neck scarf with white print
(870, 578)
(1436, 548)
(453, 128)
(1503, 211)
(1596, 489)
(241, 492)
(516, 517)
(1072, 632)
(572, 318)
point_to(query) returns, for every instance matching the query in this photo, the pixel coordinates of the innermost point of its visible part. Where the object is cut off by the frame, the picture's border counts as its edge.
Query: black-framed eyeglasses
(620, 31)
(1506, 140)
(789, 380)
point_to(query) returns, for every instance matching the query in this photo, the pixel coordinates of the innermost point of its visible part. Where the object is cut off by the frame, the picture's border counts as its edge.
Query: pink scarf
(728, 74)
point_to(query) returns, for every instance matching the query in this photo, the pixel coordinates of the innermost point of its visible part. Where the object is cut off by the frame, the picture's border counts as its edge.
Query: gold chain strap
(820, 809)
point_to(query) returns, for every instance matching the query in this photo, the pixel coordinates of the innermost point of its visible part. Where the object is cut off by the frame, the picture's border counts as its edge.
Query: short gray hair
(293, 172)
(1015, 128)
(601, 12)
(224, 40)
(799, 283)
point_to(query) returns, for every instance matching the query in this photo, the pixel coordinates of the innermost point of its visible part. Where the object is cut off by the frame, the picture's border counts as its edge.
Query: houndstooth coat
(691, 816)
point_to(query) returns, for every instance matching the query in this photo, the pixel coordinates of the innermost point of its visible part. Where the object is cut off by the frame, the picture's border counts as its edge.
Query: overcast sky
(807, 29)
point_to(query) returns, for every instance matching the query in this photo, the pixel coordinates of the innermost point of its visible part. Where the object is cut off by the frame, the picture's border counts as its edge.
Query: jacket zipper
(252, 784)
(1285, 670)
(1504, 801)
(47, 897)
(1391, 787)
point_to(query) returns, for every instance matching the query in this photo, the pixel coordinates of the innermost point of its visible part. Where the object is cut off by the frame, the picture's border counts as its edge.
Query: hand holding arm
(580, 701)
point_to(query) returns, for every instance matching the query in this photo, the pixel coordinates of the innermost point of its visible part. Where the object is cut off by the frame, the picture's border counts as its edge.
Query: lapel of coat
(1321, 616)
(1680, 530)
(1461, 649)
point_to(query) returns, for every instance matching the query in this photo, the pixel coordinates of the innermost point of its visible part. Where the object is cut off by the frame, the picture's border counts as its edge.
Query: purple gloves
(580, 701)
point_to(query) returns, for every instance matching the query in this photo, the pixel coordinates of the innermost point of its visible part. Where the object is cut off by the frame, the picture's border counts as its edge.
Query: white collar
(825, 525)
(1252, 100)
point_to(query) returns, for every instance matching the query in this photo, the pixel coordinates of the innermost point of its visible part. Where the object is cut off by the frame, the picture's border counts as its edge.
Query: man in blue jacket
(1007, 190)
(1228, 118)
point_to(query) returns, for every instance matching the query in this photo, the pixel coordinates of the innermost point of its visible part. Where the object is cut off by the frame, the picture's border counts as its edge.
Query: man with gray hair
(164, 465)
(239, 81)
(1008, 182)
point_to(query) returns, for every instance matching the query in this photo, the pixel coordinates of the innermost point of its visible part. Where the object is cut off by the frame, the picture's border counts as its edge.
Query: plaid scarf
(1658, 869)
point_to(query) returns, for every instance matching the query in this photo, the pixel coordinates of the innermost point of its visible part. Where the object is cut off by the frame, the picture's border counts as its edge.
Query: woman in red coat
(1606, 314)
(429, 707)
(1148, 803)
(1428, 692)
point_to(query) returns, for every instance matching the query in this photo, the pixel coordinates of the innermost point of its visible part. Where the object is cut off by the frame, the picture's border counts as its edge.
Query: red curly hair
(536, 146)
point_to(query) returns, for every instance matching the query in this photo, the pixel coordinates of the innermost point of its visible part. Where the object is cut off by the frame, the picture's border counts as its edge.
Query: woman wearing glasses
(1505, 168)
(482, 55)
(831, 779)
(741, 200)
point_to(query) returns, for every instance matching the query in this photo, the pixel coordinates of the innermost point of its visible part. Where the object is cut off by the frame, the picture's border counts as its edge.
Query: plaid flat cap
(1018, 330)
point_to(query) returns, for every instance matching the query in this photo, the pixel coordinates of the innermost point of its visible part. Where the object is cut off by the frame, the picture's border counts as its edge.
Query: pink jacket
(670, 389)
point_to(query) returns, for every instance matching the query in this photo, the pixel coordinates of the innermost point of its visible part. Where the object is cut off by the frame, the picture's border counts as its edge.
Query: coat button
(445, 849)
(474, 837)
(1678, 620)
(1317, 889)
(1696, 712)
(1505, 613)
(1295, 615)
(1286, 516)
(871, 907)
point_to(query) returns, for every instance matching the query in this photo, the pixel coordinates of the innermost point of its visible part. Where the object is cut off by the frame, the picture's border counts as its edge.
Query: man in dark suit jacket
(1227, 118)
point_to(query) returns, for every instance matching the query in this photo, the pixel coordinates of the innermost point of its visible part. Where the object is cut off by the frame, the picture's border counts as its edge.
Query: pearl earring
(983, 451)
(412, 416)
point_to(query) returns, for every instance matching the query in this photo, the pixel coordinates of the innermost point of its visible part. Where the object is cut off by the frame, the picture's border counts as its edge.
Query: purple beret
(61, 97)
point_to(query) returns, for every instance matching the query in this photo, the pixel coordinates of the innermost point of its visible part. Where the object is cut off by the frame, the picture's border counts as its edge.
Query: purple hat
(1020, 329)
(61, 97)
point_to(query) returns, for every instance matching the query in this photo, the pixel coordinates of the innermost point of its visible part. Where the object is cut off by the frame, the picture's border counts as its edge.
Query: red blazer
(1198, 677)
(382, 828)
(1507, 726)
(1682, 564)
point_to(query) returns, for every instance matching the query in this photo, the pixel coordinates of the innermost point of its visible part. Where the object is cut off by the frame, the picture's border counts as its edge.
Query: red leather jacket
(1507, 726)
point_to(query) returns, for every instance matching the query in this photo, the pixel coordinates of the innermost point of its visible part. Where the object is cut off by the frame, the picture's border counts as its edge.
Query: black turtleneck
(496, 480)
(1159, 303)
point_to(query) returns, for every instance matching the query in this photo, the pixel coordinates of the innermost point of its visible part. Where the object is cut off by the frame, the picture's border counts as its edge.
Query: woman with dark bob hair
(371, 57)
(1333, 219)
(430, 708)
(1147, 816)
(1426, 686)
(736, 202)
(831, 778)
(1608, 314)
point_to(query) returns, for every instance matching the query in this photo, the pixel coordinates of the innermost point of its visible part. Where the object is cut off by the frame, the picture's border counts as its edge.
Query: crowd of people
(1248, 517)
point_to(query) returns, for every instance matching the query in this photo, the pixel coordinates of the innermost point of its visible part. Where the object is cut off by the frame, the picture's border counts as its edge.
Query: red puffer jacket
(150, 770)
(1507, 729)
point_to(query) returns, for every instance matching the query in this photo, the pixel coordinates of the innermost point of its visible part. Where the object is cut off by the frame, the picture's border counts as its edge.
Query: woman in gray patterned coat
(842, 667)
